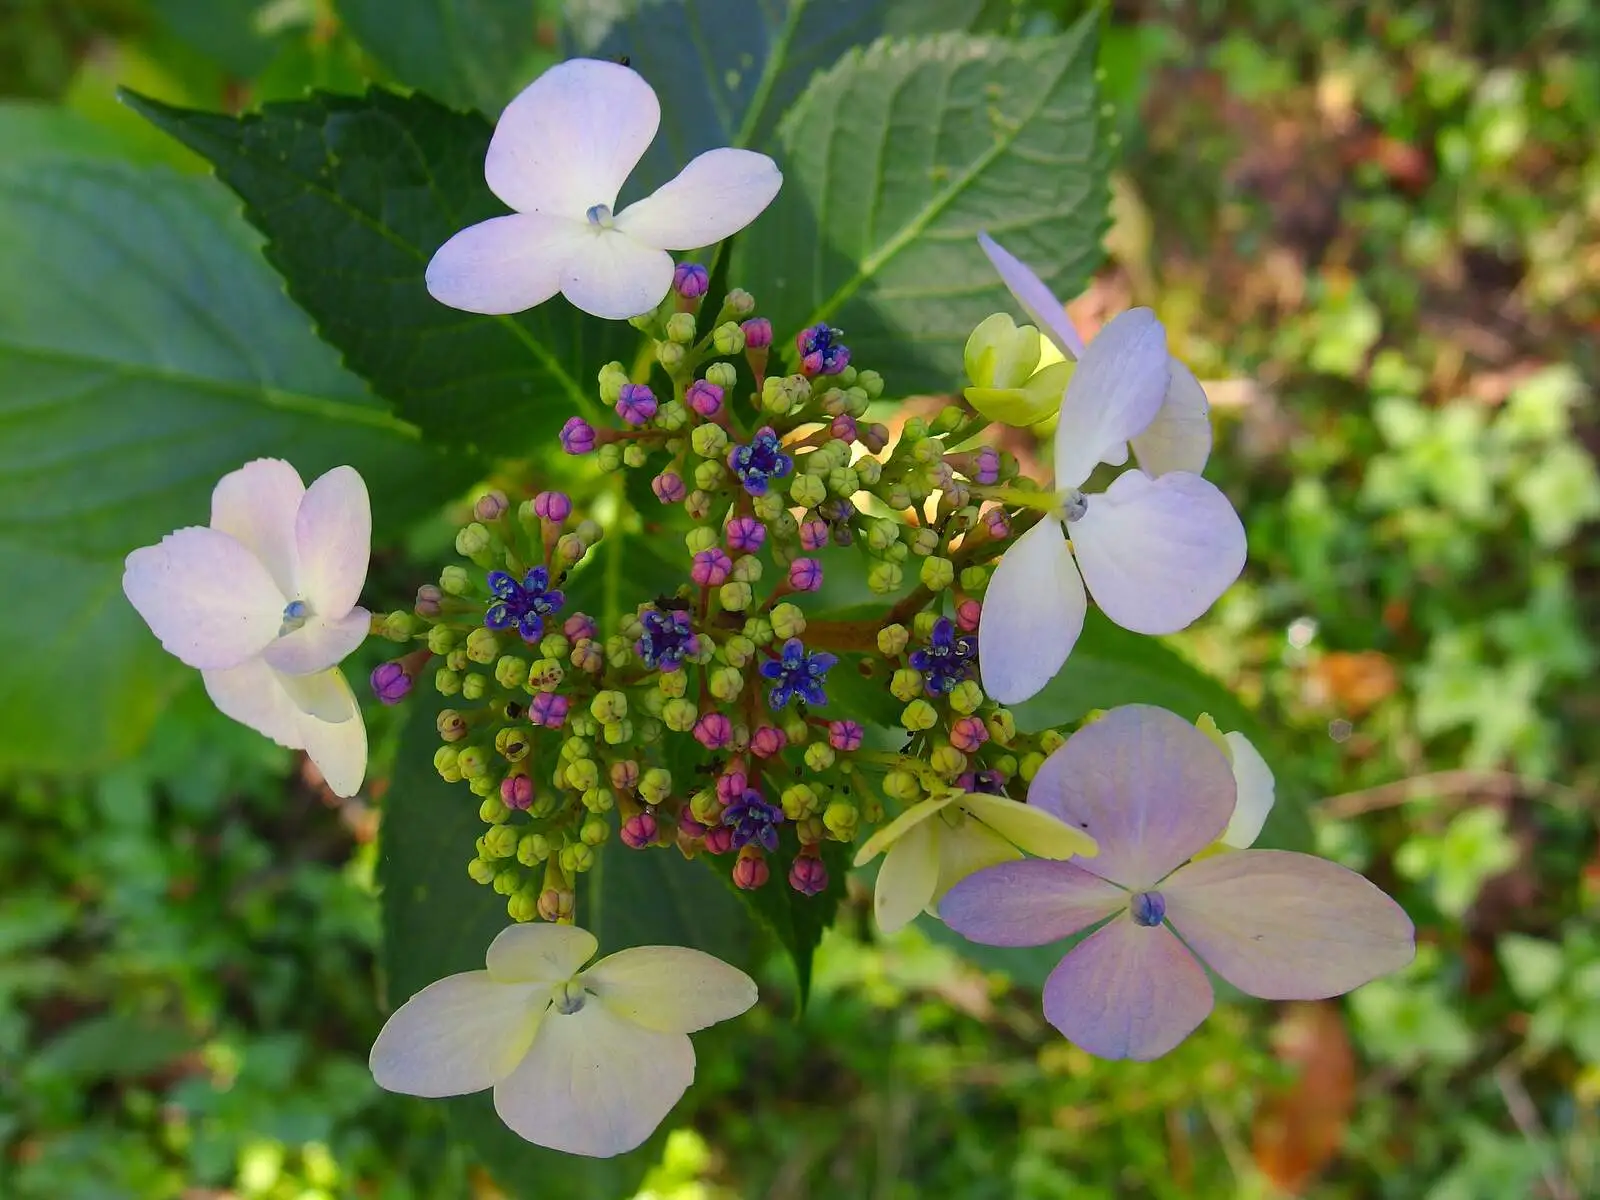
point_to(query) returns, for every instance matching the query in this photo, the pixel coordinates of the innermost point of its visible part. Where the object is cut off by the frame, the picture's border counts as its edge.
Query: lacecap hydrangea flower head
(1154, 792)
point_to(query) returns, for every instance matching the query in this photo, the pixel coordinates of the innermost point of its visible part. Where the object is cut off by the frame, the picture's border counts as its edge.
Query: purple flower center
(752, 819)
(1148, 909)
(947, 659)
(524, 605)
(760, 462)
(666, 639)
(821, 351)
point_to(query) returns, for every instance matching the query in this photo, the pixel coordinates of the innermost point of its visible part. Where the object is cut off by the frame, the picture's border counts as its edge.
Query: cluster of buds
(707, 720)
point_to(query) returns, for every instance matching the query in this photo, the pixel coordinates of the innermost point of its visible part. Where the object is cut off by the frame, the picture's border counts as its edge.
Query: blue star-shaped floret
(947, 659)
(797, 672)
(752, 819)
(762, 461)
(667, 638)
(522, 605)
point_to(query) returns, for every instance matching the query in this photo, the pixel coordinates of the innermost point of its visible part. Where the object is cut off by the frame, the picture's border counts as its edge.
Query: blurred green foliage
(1379, 229)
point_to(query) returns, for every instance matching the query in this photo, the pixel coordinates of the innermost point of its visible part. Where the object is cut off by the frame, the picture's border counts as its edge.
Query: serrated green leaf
(147, 350)
(437, 921)
(895, 159)
(354, 194)
(726, 70)
(471, 53)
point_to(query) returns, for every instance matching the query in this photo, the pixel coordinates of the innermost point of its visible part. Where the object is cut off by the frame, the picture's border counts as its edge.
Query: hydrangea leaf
(147, 351)
(895, 159)
(354, 194)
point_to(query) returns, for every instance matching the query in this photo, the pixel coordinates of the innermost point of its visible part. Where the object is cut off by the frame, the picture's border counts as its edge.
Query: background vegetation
(1375, 232)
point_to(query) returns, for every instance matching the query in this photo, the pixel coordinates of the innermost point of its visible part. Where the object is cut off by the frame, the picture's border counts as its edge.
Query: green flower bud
(923, 541)
(452, 726)
(767, 507)
(897, 496)
(798, 801)
(819, 756)
(619, 651)
(843, 482)
(474, 687)
(456, 660)
(905, 685)
(672, 416)
(700, 538)
(679, 714)
(532, 849)
(724, 375)
(512, 744)
(796, 730)
(758, 630)
(545, 675)
(922, 625)
(913, 431)
(501, 841)
(781, 395)
(634, 455)
(1006, 764)
(554, 645)
(919, 715)
(709, 441)
(870, 382)
(581, 774)
(522, 905)
(441, 640)
(472, 762)
(1002, 726)
(672, 684)
(447, 682)
(454, 580)
(473, 539)
(937, 573)
(902, 786)
(892, 639)
(1050, 741)
(608, 706)
(574, 748)
(882, 533)
(787, 620)
(482, 646)
(399, 625)
(735, 596)
(842, 819)
(728, 338)
(726, 683)
(973, 579)
(612, 380)
(966, 696)
(481, 870)
(709, 474)
(445, 762)
(576, 858)
(484, 785)
(947, 761)
(594, 831)
(670, 355)
(869, 471)
(808, 491)
(705, 807)
(951, 418)
(1029, 767)
(599, 799)
(609, 457)
(655, 785)
(680, 328)
(493, 811)
(510, 672)
(884, 577)
(618, 733)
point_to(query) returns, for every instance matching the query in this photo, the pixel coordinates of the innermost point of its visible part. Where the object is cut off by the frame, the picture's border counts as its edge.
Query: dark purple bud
(639, 831)
(577, 436)
(391, 682)
(808, 875)
(636, 404)
(690, 280)
(757, 333)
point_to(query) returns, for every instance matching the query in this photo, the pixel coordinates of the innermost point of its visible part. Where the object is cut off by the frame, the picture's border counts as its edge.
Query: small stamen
(569, 997)
(1073, 505)
(600, 215)
(1148, 908)
(294, 616)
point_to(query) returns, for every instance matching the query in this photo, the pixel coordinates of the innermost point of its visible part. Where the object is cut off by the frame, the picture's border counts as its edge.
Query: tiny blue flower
(797, 672)
(947, 659)
(523, 605)
(666, 639)
(752, 819)
(760, 462)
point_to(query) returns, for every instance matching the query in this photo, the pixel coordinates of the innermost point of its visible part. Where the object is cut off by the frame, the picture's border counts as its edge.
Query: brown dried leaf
(1299, 1129)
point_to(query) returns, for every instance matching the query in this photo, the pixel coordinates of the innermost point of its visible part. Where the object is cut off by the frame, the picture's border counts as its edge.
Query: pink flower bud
(745, 535)
(719, 839)
(967, 614)
(767, 741)
(968, 733)
(813, 534)
(704, 397)
(711, 567)
(751, 871)
(808, 875)
(516, 791)
(552, 506)
(713, 731)
(639, 831)
(845, 735)
(805, 574)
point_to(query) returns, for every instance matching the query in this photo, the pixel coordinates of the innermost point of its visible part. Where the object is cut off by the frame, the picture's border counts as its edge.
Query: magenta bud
(745, 535)
(391, 682)
(579, 626)
(719, 839)
(844, 427)
(552, 506)
(636, 404)
(968, 733)
(805, 574)
(996, 522)
(732, 785)
(548, 709)
(687, 824)
(711, 568)
(813, 534)
(845, 736)
(967, 614)
(808, 875)
(639, 831)
(987, 469)
(690, 280)
(668, 487)
(767, 741)
(516, 791)
(577, 436)
(757, 333)
(713, 731)
(704, 397)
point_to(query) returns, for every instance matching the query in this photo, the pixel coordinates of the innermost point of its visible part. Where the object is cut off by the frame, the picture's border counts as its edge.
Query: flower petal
(1256, 789)
(1179, 439)
(1157, 553)
(505, 264)
(1149, 787)
(252, 695)
(318, 645)
(887, 835)
(338, 748)
(965, 849)
(1029, 828)
(539, 953)
(715, 196)
(594, 1083)
(672, 989)
(256, 505)
(325, 695)
(615, 277)
(908, 877)
(1287, 926)
(1127, 991)
(1036, 299)
(1031, 902)
(210, 601)
(571, 138)
(1032, 614)
(1114, 394)
(458, 1035)
(333, 534)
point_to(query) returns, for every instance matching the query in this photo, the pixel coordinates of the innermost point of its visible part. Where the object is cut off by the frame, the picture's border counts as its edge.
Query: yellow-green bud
(951, 418)
(673, 684)
(609, 457)
(973, 579)
(728, 338)
(454, 580)
(447, 682)
(576, 858)
(501, 841)
(484, 785)
(594, 830)
(445, 762)
(787, 620)
(938, 573)
(799, 801)
(870, 382)
(819, 756)
(679, 714)
(510, 671)
(472, 762)
(672, 416)
(892, 640)
(1051, 740)
(612, 380)
(617, 733)
(532, 849)
(481, 870)
(923, 541)
(670, 355)
(735, 596)
(554, 645)
(399, 625)
(884, 577)
(768, 506)
(700, 538)
(1002, 726)
(902, 786)
(869, 471)
(808, 491)
(746, 569)
(512, 744)
(709, 441)
(726, 683)
(918, 715)
(796, 730)
(619, 650)
(655, 785)
(634, 455)
(708, 474)
(452, 726)
(472, 539)
(922, 625)
(966, 696)
(841, 819)
(599, 799)
(843, 481)
(522, 905)
(1029, 766)
(1006, 764)
(781, 395)
(680, 328)
(947, 761)
(545, 675)
(474, 687)
(724, 375)
(570, 548)
(759, 631)
(582, 773)
(482, 646)
(608, 706)
(441, 640)
(575, 747)
(456, 660)
(705, 807)
(905, 685)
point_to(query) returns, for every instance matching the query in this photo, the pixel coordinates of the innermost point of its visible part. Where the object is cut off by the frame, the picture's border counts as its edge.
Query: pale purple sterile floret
(1154, 791)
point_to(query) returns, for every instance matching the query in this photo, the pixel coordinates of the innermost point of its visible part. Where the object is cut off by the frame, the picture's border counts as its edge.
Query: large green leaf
(895, 159)
(726, 70)
(354, 195)
(437, 921)
(146, 351)
(471, 53)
